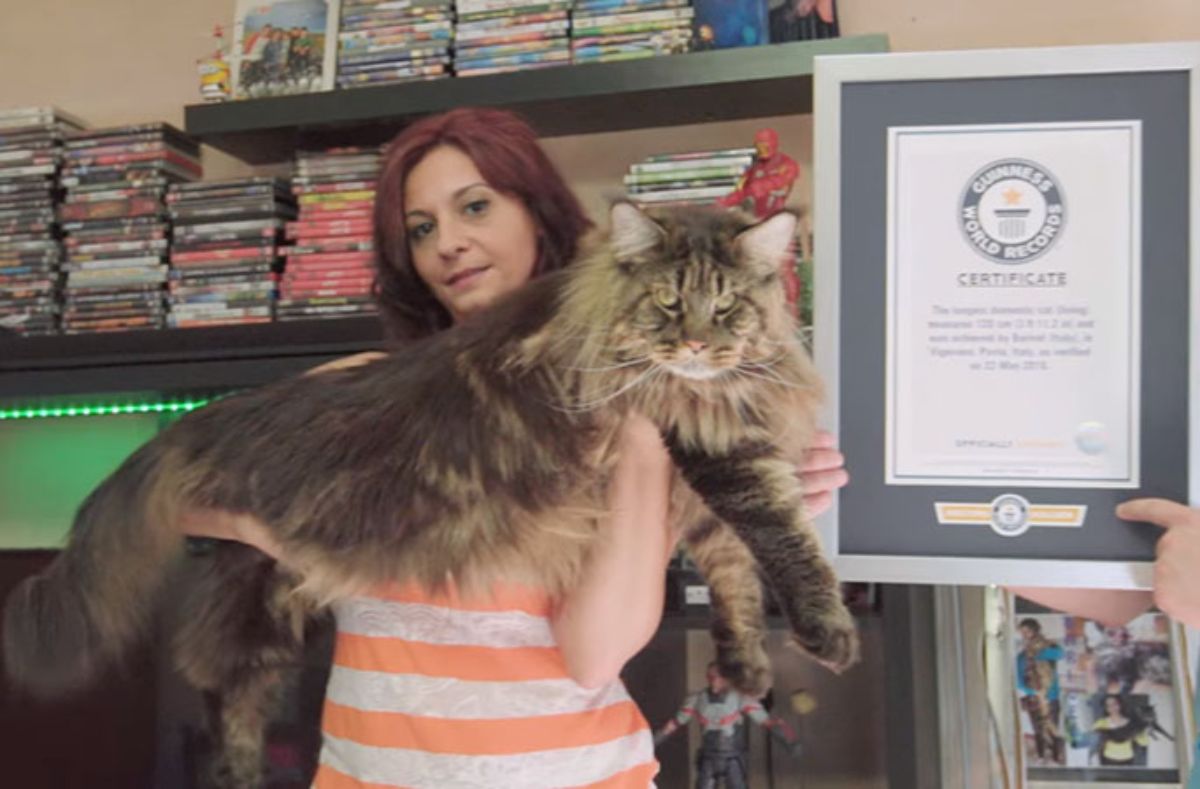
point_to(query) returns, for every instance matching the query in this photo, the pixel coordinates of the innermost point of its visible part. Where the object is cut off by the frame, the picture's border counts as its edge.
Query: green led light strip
(110, 409)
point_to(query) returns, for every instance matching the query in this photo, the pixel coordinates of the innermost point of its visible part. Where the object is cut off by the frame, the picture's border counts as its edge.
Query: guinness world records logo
(1012, 211)
(1010, 515)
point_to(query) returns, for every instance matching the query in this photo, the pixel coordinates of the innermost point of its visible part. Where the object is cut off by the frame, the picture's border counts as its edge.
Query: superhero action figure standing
(763, 190)
(720, 711)
(766, 184)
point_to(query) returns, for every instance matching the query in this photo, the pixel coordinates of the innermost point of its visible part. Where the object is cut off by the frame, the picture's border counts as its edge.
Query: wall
(110, 61)
(975, 24)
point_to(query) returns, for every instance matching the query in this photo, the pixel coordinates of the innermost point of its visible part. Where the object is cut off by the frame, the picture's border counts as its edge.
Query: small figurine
(720, 710)
(763, 190)
(764, 187)
(214, 70)
(803, 20)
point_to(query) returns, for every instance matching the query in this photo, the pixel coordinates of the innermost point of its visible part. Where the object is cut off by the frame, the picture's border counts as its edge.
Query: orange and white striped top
(446, 693)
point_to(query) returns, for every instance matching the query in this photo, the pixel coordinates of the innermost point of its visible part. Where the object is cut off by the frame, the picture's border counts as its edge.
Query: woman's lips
(466, 277)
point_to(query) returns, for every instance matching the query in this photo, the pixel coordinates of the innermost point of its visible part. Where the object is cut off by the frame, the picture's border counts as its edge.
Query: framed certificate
(1007, 282)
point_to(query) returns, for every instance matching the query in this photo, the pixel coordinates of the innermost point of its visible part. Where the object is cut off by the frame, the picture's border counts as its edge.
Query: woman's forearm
(617, 606)
(1110, 607)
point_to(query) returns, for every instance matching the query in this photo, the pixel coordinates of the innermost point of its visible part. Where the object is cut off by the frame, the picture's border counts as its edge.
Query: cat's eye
(725, 302)
(666, 298)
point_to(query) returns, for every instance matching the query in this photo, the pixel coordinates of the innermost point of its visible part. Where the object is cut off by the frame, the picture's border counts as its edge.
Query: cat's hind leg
(240, 641)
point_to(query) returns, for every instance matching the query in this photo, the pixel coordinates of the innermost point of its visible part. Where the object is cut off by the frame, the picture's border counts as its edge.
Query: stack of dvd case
(607, 30)
(387, 41)
(494, 36)
(116, 225)
(225, 250)
(696, 178)
(329, 266)
(30, 251)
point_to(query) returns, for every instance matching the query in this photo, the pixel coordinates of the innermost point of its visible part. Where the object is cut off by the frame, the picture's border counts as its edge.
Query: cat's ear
(632, 231)
(764, 245)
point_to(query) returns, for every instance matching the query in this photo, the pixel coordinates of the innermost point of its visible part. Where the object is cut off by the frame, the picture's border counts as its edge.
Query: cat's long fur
(482, 452)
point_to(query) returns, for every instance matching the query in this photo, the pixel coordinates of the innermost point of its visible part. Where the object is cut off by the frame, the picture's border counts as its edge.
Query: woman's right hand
(346, 362)
(226, 525)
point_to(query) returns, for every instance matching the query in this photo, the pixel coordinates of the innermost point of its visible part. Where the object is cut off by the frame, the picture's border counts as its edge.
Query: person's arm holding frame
(1176, 572)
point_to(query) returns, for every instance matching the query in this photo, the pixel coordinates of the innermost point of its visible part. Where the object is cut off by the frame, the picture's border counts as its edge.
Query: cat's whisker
(766, 375)
(744, 375)
(761, 369)
(770, 361)
(649, 374)
(592, 405)
(607, 368)
(770, 370)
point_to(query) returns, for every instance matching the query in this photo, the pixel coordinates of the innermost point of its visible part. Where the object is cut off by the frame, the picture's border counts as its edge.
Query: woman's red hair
(507, 153)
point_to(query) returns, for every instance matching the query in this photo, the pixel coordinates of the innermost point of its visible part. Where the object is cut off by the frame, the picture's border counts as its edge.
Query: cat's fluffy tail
(64, 626)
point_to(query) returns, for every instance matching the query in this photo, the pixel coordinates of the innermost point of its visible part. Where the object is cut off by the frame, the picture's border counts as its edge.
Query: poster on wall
(1098, 704)
(283, 47)
(1000, 319)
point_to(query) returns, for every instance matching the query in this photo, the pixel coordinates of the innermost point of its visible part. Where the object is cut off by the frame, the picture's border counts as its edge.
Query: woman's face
(1112, 706)
(469, 243)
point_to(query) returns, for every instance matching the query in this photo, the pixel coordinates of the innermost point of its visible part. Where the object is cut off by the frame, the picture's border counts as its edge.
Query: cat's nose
(696, 345)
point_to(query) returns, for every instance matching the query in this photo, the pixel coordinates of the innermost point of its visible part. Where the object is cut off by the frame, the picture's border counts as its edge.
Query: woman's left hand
(822, 471)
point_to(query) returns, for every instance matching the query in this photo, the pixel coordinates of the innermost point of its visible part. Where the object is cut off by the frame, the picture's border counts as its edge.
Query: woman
(515, 690)
(1119, 736)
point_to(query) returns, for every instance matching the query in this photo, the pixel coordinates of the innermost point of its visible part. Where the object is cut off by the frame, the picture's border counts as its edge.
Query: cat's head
(701, 295)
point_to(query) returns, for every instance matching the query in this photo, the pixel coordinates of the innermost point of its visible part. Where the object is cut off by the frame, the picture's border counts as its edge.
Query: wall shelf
(697, 87)
(176, 360)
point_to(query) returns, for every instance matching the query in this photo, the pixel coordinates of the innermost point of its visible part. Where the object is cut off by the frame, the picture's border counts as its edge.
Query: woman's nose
(450, 239)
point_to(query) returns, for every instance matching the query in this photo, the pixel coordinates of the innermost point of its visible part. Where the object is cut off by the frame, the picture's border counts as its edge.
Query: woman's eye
(665, 297)
(418, 232)
(476, 206)
(725, 302)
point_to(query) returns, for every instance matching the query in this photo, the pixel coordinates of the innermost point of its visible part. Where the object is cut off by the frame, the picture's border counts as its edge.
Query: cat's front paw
(831, 637)
(748, 670)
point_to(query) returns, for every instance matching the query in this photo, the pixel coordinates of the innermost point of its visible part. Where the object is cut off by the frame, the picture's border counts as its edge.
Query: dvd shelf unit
(672, 90)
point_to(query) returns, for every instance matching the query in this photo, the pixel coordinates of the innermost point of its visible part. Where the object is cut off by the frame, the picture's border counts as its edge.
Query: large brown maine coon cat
(478, 453)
